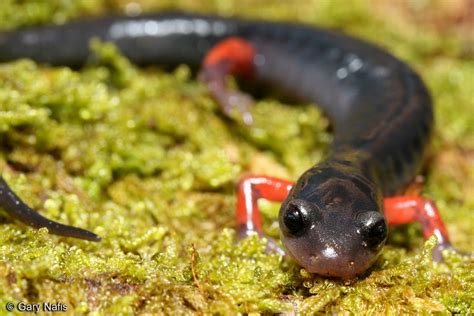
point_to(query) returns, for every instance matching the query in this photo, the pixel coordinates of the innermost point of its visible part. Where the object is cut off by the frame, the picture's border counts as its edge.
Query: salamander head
(333, 227)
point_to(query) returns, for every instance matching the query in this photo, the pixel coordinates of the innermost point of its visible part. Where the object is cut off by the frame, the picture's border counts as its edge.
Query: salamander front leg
(407, 209)
(250, 189)
(233, 56)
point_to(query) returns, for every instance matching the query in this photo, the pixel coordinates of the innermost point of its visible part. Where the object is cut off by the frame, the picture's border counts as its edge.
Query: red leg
(407, 209)
(232, 56)
(250, 189)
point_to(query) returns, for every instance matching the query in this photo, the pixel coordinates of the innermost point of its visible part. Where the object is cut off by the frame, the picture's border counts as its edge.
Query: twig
(193, 269)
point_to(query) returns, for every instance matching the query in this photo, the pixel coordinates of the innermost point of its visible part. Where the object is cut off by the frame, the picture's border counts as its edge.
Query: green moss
(145, 159)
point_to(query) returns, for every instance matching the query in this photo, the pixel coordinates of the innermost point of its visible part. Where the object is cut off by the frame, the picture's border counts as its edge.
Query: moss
(145, 159)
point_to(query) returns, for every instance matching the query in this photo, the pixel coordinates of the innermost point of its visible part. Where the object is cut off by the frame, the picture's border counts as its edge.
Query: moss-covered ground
(145, 159)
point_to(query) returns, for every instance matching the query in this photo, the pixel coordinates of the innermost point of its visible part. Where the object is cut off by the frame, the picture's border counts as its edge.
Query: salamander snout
(332, 241)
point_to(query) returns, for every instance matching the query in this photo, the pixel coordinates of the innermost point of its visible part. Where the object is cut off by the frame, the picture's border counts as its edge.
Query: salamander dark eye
(373, 229)
(295, 218)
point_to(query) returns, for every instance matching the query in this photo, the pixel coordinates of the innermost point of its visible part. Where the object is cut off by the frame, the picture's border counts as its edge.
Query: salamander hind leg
(408, 209)
(232, 56)
(249, 190)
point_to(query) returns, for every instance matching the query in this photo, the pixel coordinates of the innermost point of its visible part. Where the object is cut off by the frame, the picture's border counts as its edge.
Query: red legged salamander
(334, 219)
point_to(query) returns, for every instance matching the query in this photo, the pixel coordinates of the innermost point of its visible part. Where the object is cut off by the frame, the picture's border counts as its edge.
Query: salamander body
(332, 221)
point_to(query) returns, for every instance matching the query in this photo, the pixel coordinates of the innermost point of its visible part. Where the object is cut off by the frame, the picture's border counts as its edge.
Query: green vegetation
(145, 159)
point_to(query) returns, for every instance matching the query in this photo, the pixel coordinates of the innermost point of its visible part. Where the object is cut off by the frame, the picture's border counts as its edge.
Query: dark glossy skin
(332, 221)
(17, 209)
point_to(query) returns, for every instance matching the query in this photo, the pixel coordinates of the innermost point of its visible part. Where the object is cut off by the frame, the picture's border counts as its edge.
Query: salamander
(334, 219)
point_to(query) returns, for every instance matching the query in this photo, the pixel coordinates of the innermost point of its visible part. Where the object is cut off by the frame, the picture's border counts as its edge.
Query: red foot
(232, 56)
(250, 189)
(408, 209)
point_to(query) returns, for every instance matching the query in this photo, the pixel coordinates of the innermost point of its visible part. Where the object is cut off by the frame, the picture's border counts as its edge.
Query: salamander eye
(373, 229)
(295, 218)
